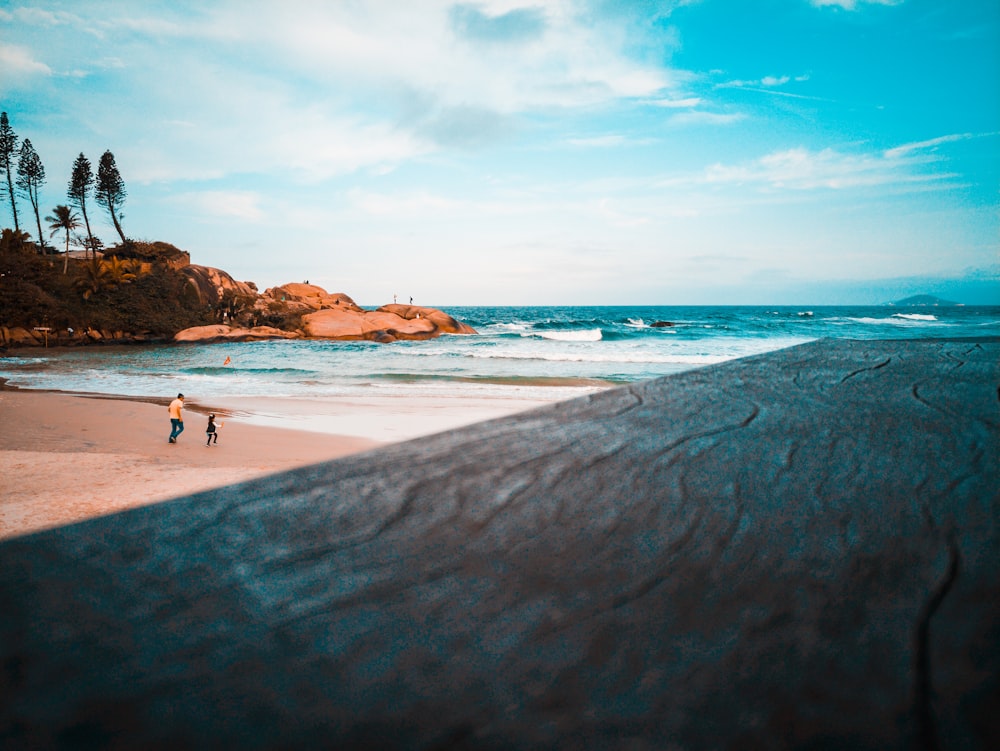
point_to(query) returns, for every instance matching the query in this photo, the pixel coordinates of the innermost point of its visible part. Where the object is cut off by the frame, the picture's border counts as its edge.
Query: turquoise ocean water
(546, 352)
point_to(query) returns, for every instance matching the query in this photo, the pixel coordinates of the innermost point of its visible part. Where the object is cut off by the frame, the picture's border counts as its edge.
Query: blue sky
(548, 152)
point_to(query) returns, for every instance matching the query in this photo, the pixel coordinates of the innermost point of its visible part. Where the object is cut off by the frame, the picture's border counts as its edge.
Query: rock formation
(170, 292)
(211, 284)
(307, 298)
(223, 333)
(443, 322)
(18, 336)
(326, 315)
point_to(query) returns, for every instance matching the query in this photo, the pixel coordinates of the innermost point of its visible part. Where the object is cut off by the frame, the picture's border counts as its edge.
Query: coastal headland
(796, 549)
(151, 292)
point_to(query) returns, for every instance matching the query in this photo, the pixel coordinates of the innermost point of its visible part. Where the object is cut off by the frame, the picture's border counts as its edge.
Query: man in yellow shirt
(176, 418)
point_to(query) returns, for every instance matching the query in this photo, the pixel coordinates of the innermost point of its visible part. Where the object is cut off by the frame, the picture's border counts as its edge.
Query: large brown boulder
(17, 336)
(220, 332)
(302, 297)
(445, 323)
(211, 283)
(334, 324)
(343, 323)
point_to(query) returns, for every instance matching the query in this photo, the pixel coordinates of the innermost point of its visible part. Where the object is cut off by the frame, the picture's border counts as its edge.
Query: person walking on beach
(211, 432)
(176, 418)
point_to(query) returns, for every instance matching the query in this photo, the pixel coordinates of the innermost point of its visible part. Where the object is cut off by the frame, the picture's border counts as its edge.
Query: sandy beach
(68, 457)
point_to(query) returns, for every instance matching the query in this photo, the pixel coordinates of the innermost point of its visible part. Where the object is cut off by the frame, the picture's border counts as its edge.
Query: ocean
(519, 352)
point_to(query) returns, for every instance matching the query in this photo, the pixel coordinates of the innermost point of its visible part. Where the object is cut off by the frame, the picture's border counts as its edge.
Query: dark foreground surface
(800, 549)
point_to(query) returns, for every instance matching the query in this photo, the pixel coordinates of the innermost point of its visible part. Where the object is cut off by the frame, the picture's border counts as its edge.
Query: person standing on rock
(176, 418)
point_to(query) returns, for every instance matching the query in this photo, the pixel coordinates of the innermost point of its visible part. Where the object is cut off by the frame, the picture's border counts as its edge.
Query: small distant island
(929, 300)
(143, 292)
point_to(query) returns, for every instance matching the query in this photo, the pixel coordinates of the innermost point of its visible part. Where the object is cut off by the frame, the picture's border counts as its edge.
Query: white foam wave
(915, 316)
(636, 323)
(895, 320)
(621, 357)
(588, 335)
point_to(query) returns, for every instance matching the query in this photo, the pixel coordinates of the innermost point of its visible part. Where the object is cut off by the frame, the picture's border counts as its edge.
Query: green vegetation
(63, 219)
(80, 184)
(8, 147)
(112, 293)
(135, 290)
(110, 190)
(134, 287)
(30, 179)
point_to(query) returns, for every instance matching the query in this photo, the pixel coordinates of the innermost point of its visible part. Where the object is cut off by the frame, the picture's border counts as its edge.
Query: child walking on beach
(211, 432)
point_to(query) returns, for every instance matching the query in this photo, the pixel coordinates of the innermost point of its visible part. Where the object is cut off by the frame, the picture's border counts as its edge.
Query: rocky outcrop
(212, 284)
(17, 336)
(306, 298)
(443, 322)
(158, 253)
(327, 315)
(223, 333)
(335, 315)
(378, 325)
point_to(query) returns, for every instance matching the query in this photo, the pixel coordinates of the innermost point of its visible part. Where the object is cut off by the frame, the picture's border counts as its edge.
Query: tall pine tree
(110, 192)
(30, 178)
(8, 147)
(80, 183)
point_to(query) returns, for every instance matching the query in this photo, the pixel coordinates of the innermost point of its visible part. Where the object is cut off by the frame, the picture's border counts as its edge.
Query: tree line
(25, 175)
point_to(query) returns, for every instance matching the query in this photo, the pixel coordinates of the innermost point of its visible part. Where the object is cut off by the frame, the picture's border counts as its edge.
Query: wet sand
(68, 457)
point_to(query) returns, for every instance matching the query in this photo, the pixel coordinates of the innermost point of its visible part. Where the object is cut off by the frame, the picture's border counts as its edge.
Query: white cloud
(39, 17)
(706, 118)
(319, 146)
(767, 82)
(561, 60)
(676, 103)
(909, 148)
(18, 61)
(803, 169)
(420, 204)
(243, 205)
(853, 4)
(598, 141)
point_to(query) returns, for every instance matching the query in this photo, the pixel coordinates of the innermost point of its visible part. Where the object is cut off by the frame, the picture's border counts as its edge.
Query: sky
(531, 152)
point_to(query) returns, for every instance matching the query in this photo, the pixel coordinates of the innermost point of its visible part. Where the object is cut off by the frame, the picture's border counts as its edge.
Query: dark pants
(210, 435)
(176, 428)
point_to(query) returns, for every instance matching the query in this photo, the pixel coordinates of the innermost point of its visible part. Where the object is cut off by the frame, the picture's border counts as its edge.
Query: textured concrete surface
(800, 549)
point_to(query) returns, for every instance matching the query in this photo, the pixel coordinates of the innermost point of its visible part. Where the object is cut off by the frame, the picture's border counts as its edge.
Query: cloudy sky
(535, 151)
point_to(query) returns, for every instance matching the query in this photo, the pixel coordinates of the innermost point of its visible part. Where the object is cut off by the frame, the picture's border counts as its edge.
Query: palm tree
(12, 240)
(94, 279)
(63, 218)
(118, 271)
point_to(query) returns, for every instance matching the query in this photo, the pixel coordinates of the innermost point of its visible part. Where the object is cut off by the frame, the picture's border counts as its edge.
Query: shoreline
(69, 456)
